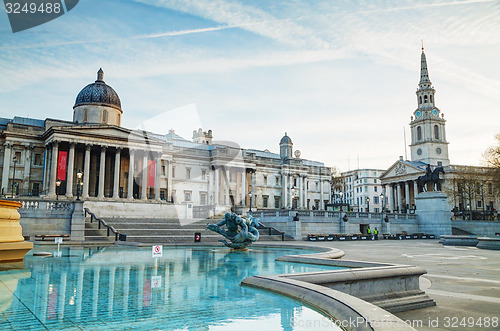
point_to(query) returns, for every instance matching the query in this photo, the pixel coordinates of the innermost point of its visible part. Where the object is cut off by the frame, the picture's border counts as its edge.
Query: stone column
(45, 169)
(210, 196)
(304, 182)
(290, 202)
(285, 190)
(86, 172)
(27, 167)
(301, 198)
(226, 190)
(130, 183)
(169, 181)
(53, 169)
(217, 186)
(116, 174)
(157, 176)
(321, 201)
(6, 167)
(101, 173)
(400, 197)
(407, 194)
(252, 197)
(243, 186)
(69, 172)
(415, 189)
(145, 171)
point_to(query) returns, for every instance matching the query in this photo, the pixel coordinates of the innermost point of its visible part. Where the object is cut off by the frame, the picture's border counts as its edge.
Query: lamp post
(367, 204)
(14, 174)
(470, 212)
(79, 176)
(58, 183)
(382, 201)
(294, 195)
(250, 200)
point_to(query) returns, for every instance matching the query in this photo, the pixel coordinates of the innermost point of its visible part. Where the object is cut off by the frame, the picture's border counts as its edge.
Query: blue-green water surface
(188, 288)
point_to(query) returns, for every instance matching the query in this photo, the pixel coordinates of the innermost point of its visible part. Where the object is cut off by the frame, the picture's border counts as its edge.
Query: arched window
(420, 100)
(419, 133)
(430, 96)
(85, 116)
(104, 116)
(425, 99)
(436, 132)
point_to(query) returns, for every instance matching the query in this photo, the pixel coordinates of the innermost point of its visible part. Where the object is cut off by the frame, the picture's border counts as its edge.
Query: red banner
(151, 173)
(61, 168)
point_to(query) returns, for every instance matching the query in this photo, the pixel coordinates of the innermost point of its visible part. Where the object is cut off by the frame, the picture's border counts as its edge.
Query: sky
(338, 76)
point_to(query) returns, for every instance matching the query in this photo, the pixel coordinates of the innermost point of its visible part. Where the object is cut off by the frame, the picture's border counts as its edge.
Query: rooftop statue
(241, 231)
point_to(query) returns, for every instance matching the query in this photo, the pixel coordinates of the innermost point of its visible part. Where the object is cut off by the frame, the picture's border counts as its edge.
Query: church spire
(424, 73)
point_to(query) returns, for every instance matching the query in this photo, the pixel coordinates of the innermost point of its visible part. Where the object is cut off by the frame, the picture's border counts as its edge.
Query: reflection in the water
(121, 287)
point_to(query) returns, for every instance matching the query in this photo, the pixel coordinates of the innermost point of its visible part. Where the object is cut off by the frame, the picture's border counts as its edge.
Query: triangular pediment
(404, 168)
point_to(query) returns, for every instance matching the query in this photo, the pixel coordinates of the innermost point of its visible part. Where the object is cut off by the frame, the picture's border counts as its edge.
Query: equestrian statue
(430, 177)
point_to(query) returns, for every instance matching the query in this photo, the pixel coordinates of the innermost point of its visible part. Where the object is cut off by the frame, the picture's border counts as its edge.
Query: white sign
(58, 240)
(155, 281)
(157, 251)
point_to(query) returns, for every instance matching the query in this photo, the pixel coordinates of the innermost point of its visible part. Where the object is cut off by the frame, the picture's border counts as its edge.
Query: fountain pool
(188, 288)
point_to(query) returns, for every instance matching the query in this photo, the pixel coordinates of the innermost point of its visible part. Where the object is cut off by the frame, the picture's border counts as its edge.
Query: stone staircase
(158, 231)
(94, 234)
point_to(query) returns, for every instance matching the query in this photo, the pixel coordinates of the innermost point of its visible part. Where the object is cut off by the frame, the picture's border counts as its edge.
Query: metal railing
(102, 222)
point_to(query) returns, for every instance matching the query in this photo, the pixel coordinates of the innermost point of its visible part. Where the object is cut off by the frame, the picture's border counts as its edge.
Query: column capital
(88, 147)
(8, 145)
(103, 148)
(118, 149)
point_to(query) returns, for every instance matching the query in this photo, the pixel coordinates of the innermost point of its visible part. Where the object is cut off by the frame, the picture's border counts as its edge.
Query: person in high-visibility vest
(375, 232)
(369, 230)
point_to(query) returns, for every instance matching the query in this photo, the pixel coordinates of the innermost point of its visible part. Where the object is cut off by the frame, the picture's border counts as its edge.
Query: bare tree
(492, 159)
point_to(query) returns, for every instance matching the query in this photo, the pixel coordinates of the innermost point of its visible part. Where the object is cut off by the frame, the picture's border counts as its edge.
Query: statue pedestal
(433, 214)
(12, 244)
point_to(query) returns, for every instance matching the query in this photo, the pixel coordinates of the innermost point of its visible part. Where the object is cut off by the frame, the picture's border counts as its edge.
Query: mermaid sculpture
(241, 231)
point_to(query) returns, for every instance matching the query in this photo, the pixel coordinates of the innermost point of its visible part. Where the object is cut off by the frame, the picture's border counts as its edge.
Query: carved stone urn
(12, 244)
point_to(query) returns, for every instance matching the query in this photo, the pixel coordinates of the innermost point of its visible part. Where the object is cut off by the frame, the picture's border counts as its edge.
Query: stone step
(118, 225)
(186, 239)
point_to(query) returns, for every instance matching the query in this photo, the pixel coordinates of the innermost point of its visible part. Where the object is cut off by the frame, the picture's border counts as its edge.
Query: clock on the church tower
(435, 112)
(418, 114)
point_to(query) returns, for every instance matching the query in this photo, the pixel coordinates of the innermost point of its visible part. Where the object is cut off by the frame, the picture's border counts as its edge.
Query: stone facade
(93, 157)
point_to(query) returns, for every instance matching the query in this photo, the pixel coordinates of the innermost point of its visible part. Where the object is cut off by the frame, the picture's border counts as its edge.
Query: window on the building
(173, 172)
(419, 133)
(203, 198)
(18, 157)
(440, 163)
(376, 200)
(85, 116)
(375, 188)
(366, 181)
(366, 188)
(188, 173)
(203, 175)
(35, 189)
(277, 180)
(277, 202)
(425, 99)
(316, 204)
(430, 96)
(436, 132)
(265, 201)
(38, 159)
(420, 99)
(377, 210)
(295, 182)
(104, 116)
(265, 180)
(479, 204)
(163, 170)
(187, 195)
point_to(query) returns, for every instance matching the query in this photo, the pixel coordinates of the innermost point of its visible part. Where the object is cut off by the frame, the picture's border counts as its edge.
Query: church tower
(428, 130)
(286, 147)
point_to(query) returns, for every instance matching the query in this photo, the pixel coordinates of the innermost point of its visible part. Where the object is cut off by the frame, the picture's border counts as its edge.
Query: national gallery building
(94, 158)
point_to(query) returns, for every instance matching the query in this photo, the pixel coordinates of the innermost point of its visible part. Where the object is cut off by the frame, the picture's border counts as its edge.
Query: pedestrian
(375, 232)
(369, 231)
